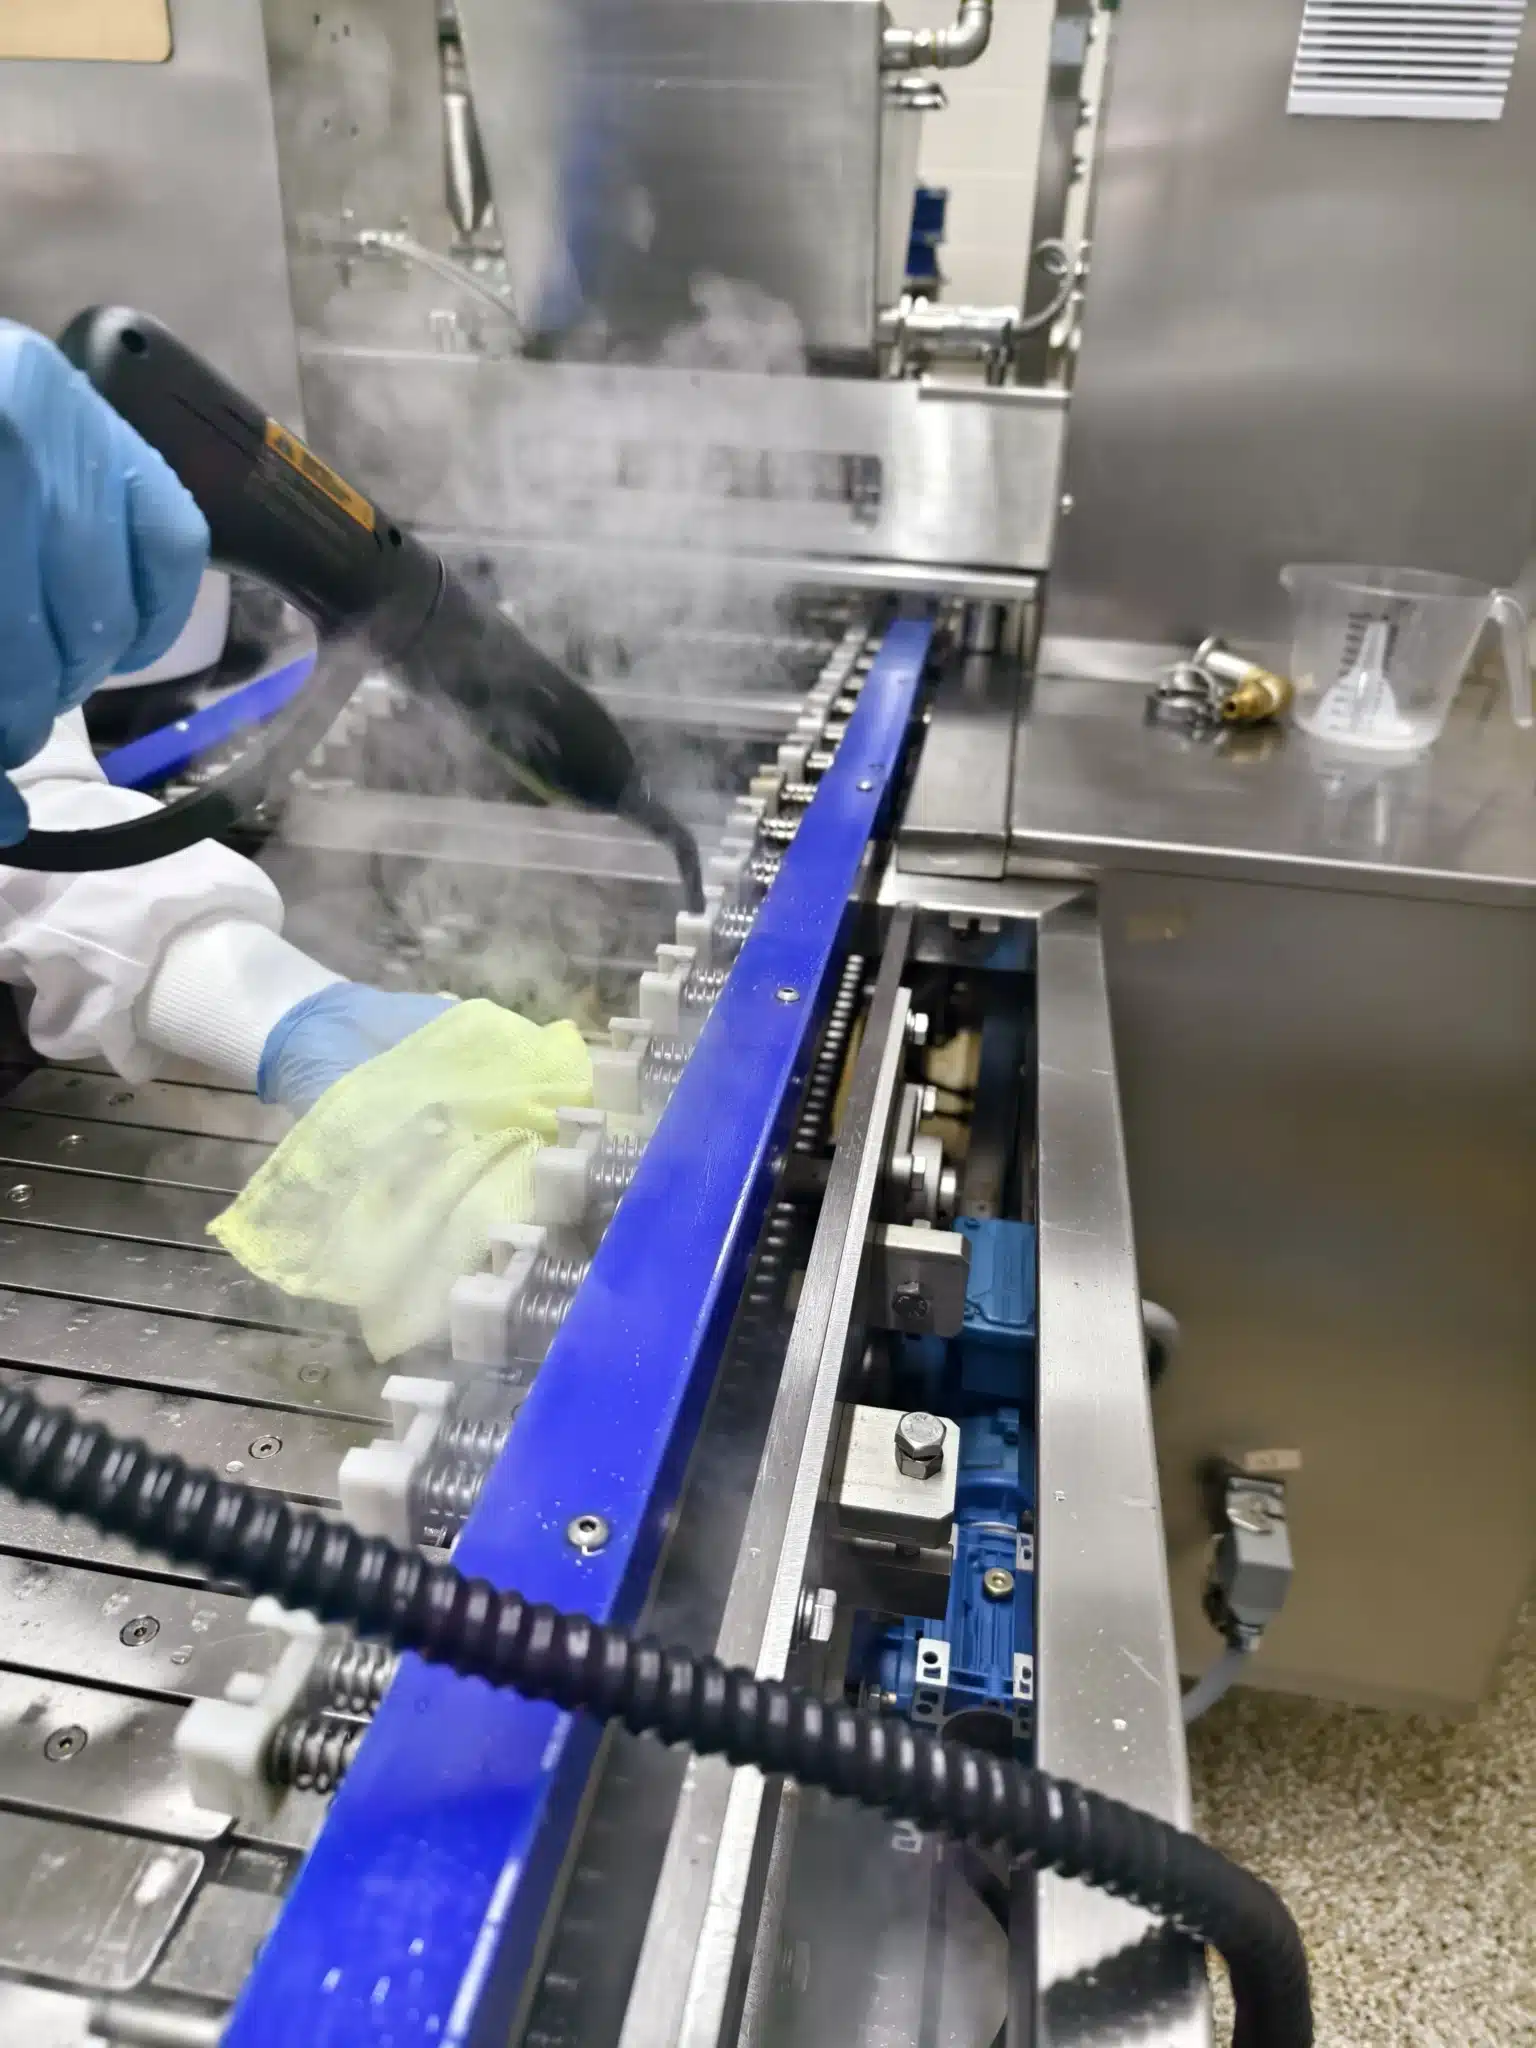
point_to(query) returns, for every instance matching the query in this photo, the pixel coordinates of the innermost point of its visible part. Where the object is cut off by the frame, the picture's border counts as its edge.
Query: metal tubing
(939, 49)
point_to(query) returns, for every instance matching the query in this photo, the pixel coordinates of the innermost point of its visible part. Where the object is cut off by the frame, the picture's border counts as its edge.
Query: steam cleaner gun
(278, 513)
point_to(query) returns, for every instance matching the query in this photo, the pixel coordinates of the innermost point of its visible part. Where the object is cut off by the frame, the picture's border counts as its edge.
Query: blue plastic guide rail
(415, 1918)
(154, 756)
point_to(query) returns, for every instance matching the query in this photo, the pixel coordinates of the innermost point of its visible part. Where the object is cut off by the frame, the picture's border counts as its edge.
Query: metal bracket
(870, 1493)
(917, 1280)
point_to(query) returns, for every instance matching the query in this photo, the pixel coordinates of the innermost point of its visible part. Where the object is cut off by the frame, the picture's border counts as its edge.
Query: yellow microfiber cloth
(388, 1189)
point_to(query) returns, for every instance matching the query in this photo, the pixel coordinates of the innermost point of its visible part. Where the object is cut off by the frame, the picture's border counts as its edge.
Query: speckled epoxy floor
(1406, 1849)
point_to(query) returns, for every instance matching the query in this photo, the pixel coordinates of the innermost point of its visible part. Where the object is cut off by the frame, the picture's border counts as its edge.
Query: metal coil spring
(477, 1437)
(661, 1067)
(350, 1677)
(778, 831)
(763, 868)
(826, 1069)
(702, 988)
(732, 927)
(545, 1304)
(444, 1490)
(311, 1752)
(613, 1166)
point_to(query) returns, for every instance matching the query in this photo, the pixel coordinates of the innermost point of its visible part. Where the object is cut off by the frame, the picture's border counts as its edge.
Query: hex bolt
(997, 1584)
(142, 1629)
(587, 1533)
(266, 1446)
(919, 1446)
(910, 1306)
(816, 1615)
(917, 1027)
(64, 1743)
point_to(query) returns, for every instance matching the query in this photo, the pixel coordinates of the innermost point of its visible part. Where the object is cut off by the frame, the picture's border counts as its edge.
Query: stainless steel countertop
(1095, 786)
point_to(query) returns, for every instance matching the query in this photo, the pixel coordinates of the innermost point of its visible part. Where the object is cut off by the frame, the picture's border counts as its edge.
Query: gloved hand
(331, 1032)
(101, 550)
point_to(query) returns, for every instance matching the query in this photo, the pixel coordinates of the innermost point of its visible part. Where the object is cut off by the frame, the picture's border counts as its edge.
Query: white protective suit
(181, 957)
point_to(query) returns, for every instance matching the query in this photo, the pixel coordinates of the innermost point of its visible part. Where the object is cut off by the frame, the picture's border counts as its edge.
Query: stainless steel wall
(1304, 339)
(636, 145)
(1330, 1119)
(154, 185)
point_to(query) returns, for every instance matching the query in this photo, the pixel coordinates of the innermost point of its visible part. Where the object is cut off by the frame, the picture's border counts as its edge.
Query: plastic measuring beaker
(1377, 655)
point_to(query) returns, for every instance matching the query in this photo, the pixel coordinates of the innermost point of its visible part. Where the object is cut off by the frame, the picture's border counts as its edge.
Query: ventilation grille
(1426, 60)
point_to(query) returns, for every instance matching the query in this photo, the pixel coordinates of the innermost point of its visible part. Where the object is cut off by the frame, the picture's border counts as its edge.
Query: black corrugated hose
(253, 1539)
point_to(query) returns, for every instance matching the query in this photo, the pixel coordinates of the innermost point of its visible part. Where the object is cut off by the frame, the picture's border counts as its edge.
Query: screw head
(20, 1194)
(312, 1374)
(919, 1445)
(917, 1027)
(910, 1306)
(142, 1629)
(866, 783)
(786, 995)
(997, 1584)
(587, 1533)
(71, 1140)
(266, 1446)
(1251, 1511)
(64, 1743)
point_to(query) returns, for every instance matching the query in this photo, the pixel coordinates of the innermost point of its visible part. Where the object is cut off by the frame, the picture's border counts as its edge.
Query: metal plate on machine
(110, 1758)
(115, 1629)
(185, 1355)
(968, 475)
(96, 31)
(82, 1907)
(217, 1165)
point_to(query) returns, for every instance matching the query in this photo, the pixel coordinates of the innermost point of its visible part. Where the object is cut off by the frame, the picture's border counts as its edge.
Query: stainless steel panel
(41, 1198)
(154, 185)
(692, 1971)
(1107, 1701)
(1330, 1118)
(161, 1277)
(85, 1908)
(616, 458)
(148, 1105)
(296, 1455)
(108, 1758)
(357, 108)
(957, 813)
(216, 1164)
(184, 1355)
(1303, 339)
(1096, 788)
(638, 151)
(103, 1628)
(27, 1531)
(212, 1951)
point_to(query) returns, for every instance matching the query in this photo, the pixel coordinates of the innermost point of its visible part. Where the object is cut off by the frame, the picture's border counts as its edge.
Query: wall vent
(1424, 60)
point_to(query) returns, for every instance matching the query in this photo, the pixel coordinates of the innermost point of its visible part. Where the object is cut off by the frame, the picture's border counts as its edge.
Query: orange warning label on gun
(314, 471)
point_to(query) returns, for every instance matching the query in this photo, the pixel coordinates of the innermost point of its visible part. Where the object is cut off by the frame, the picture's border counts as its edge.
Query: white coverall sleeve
(180, 956)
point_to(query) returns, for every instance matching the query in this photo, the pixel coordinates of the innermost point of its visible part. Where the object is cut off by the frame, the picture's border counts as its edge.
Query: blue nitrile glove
(101, 550)
(331, 1032)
